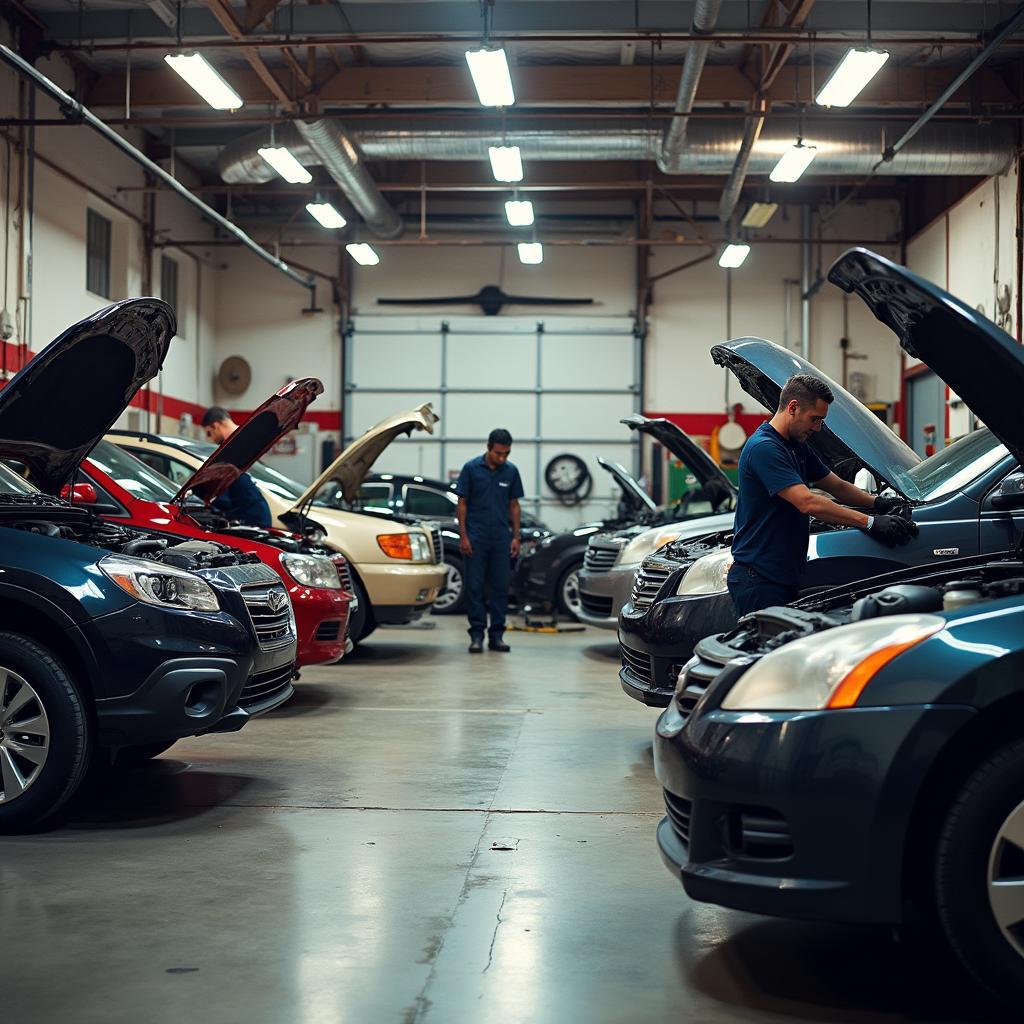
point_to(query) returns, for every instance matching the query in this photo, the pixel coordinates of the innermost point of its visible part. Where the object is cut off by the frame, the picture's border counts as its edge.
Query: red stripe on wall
(701, 424)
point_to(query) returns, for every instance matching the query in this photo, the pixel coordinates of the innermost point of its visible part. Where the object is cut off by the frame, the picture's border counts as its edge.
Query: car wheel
(453, 600)
(361, 624)
(140, 753)
(568, 592)
(45, 734)
(979, 873)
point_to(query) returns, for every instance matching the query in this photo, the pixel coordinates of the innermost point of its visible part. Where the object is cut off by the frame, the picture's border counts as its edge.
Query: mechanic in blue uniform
(242, 501)
(489, 490)
(776, 470)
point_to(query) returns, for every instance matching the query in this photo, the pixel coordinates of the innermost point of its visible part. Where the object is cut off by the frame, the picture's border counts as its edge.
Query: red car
(125, 490)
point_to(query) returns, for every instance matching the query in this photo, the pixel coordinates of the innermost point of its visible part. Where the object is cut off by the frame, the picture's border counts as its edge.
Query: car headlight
(646, 544)
(828, 669)
(422, 551)
(312, 571)
(708, 575)
(410, 547)
(164, 585)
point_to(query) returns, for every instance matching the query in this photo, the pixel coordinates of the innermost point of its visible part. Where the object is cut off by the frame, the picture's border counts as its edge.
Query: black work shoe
(499, 645)
(476, 646)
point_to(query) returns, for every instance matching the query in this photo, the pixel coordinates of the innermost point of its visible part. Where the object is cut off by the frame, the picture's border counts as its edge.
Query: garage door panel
(571, 361)
(395, 360)
(470, 416)
(584, 416)
(364, 410)
(504, 361)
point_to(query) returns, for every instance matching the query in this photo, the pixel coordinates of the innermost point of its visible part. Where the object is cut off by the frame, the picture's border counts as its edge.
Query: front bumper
(412, 585)
(321, 618)
(796, 814)
(603, 594)
(656, 643)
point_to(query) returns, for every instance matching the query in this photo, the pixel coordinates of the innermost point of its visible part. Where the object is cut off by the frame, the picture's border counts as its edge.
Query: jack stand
(543, 620)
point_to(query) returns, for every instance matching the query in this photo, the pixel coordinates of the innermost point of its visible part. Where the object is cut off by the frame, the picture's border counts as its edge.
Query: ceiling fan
(491, 299)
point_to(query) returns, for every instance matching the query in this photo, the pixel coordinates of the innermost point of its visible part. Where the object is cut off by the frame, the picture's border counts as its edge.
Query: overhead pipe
(76, 111)
(705, 16)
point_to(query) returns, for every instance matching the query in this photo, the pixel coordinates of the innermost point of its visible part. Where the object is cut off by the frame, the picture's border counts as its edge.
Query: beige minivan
(397, 568)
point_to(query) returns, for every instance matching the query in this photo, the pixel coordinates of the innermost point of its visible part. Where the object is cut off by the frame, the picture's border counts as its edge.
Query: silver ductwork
(670, 157)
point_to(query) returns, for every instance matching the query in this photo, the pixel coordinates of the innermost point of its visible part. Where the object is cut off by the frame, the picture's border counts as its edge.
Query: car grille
(599, 607)
(650, 578)
(344, 575)
(636, 663)
(679, 810)
(435, 543)
(273, 625)
(264, 686)
(327, 632)
(699, 675)
(760, 833)
(598, 559)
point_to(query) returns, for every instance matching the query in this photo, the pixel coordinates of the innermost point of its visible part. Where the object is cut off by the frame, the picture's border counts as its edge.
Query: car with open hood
(613, 555)
(114, 639)
(395, 563)
(680, 594)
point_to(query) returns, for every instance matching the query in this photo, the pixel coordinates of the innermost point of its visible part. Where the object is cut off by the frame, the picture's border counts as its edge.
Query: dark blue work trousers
(750, 591)
(490, 569)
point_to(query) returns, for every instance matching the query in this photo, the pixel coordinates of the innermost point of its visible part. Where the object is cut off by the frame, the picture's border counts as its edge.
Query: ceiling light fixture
(794, 162)
(491, 77)
(286, 165)
(759, 214)
(850, 76)
(733, 255)
(326, 214)
(519, 212)
(205, 79)
(506, 163)
(531, 253)
(363, 253)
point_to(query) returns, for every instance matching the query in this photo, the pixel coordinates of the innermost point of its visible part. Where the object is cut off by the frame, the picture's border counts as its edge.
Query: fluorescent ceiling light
(850, 76)
(733, 255)
(363, 253)
(286, 165)
(491, 77)
(165, 11)
(531, 253)
(206, 81)
(793, 162)
(506, 163)
(519, 212)
(759, 214)
(327, 215)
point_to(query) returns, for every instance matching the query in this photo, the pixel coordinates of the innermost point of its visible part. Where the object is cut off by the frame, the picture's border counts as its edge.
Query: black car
(113, 640)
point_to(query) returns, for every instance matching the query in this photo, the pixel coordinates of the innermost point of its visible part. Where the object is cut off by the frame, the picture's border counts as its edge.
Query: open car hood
(630, 488)
(977, 359)
(352, 466)
(106, 358)
(683, 447)
(277, 416)
(852, 435)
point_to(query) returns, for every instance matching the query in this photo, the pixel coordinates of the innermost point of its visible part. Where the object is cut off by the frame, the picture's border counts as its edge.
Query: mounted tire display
(45, 734)
(453, 600)
(567, 593)
(979, 873)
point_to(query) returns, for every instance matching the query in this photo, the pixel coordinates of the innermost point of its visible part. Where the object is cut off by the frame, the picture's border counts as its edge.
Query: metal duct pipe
(240, 162)
(705, 15)
(738, 175)
(73, 109)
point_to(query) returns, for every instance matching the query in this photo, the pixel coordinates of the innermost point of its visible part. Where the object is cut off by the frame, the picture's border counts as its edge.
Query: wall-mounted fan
(234, 375)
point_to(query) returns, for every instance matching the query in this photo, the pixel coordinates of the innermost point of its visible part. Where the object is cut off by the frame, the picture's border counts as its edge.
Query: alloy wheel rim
(1006, 879)
(571, 593)
(24, 735)
(453, 591)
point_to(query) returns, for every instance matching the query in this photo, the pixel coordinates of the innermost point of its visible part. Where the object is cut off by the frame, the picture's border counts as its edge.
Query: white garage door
(560, 385)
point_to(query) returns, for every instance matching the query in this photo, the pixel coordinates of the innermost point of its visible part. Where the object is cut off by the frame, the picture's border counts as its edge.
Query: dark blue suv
(113, 640)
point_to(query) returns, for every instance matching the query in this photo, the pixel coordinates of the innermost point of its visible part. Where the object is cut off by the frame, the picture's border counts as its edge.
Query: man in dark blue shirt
(489, 490)
(242, 501)
(776, 471)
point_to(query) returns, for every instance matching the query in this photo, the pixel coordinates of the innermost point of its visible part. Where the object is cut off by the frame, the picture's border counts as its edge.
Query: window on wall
(169, 281)
(97, 254)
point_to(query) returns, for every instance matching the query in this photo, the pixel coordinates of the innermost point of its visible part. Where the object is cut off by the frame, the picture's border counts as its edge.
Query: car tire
(362, 623)
(46, 735)
(567, 593)
(457, 573)
(979, 869)
(140, 753)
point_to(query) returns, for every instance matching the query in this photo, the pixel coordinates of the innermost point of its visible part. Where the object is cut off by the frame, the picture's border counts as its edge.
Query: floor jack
(543, 619)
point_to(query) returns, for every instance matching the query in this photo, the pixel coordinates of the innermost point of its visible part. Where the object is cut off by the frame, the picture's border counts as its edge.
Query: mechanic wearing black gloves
(775, 504)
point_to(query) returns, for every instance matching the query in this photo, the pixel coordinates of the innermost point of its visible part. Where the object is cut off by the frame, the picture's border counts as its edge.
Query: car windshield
(957, 465)
(131, 473)
(12, 482)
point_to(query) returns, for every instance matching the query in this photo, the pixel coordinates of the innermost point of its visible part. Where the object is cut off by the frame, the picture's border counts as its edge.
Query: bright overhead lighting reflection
(733, 255)
(286, 165)
(531, 253)
(491, 77)
(363, 253)
(850, 76)
(519, 212)
(793, 162)
(206, 81)
(506, 163)
(326, 214)
(759, 214)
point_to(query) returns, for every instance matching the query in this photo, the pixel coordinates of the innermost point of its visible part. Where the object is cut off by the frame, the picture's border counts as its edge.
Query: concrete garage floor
(419, 836)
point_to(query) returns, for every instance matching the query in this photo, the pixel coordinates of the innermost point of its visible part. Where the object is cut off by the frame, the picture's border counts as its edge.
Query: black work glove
(892, 530)
(887, 503)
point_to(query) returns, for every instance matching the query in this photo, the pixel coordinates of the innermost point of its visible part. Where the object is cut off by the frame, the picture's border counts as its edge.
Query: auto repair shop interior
(250, 768)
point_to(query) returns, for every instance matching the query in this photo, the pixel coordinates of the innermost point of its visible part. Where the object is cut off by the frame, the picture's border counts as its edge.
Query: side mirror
(80, 494)
(1010, 494)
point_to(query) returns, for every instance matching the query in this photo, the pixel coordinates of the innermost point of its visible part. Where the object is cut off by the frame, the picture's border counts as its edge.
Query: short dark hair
(806, 390)
(215, 414)
(499, 436)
